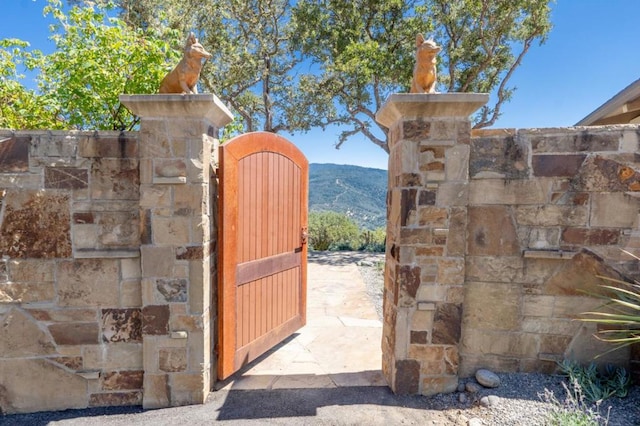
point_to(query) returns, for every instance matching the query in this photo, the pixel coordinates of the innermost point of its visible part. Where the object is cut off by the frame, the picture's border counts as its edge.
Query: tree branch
(501, 89)
(245, 115)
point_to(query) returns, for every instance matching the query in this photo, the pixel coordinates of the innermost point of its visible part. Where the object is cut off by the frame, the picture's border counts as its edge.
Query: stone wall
(495, 239)
(108, 260)
(107, 251)
(70, 300)
(548, 210)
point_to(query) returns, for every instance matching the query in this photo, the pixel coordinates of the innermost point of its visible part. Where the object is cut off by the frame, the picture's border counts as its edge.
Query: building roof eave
(626, 96)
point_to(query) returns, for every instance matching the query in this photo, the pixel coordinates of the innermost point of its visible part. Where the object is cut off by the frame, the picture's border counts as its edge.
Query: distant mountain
(359, 192)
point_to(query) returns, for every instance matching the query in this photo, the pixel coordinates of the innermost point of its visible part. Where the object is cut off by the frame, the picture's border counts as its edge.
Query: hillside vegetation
(358, 192)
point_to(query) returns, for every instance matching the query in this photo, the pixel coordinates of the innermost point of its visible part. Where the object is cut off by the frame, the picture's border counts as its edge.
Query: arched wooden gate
(262, 246)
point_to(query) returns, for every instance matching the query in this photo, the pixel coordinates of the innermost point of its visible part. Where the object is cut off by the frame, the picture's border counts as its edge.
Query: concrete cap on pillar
(416, 105)
(201, 106)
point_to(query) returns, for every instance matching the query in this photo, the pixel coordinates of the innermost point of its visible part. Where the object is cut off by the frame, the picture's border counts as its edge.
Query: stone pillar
(178, 150)
(429, 137)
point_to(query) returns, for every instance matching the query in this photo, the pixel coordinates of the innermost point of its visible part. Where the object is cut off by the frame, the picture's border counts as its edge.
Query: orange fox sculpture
(184, 77)
(424, 73)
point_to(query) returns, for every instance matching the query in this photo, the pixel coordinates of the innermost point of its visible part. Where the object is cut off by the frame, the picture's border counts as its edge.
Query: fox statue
(424, 73)
(184, 77)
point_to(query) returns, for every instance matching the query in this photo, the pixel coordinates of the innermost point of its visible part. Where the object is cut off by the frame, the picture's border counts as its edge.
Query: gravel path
(372, 271)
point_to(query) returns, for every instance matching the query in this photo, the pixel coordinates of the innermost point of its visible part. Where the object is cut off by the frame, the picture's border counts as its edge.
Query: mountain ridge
(359, 192)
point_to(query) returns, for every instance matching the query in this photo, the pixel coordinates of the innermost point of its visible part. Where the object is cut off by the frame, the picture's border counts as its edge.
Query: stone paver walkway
(339, 346)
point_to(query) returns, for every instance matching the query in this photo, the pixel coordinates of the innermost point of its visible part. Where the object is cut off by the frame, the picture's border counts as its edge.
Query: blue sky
(591, 54)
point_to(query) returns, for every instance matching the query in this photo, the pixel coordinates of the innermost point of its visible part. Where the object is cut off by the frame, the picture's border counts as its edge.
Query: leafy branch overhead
(365, 51)
(96, 58)
(485, 41)
(290, 66)
(287, 66)
(20, 107)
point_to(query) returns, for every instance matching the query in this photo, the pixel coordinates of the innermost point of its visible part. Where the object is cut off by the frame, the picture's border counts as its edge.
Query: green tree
(179, 15)
(255, 63)
(331, 230)
(290, 66)
(255, 68)
(20, 107)
(96, 59)
(485, 41)
(365, 51)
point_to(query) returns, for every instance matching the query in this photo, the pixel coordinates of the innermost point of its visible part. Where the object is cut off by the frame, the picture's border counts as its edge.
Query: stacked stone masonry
(70, 300)
(549, 211)
(424, 282)
(176, 188)
(106, 265)
(495, 238)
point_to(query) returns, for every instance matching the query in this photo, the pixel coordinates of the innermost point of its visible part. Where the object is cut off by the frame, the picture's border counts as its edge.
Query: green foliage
(177, 15)
(485, 41)
(256, 67)
(232, 129)
(335, 231)
(620, 313)
(332, 231)
(96, 59)
(366, 50)
(21, 108)
(575, 410)
(594, 384)
(290, 66)
(373, 240)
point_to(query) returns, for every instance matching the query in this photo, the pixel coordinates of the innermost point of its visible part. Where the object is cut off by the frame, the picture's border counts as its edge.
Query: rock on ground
(487, 378)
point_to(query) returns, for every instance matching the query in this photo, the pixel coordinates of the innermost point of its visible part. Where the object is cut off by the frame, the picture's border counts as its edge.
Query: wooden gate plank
(254, 270)
(262, 262)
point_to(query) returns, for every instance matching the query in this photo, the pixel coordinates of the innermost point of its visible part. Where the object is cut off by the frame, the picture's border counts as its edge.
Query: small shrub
(373, 248)
(373, 241)
(341, 246)
(329, 230)
(575, 410)
(595, 385)
(620, 314)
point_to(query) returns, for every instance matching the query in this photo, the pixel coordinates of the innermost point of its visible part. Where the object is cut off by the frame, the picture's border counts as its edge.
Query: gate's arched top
(250, 143)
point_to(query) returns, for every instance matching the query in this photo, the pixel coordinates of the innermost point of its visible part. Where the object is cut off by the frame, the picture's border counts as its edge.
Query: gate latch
(304, 235)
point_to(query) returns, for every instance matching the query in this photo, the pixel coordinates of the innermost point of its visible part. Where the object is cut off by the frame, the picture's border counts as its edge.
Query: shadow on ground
(353, 405)
(44, 418)
(266, 404)
(348, 405)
